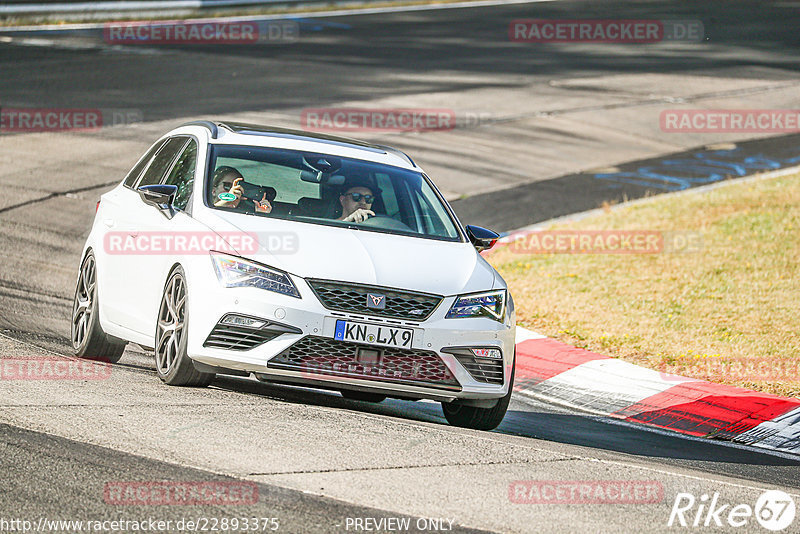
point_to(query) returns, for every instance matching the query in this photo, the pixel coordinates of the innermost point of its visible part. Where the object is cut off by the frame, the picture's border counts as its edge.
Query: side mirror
(161, 196)
(481, 238)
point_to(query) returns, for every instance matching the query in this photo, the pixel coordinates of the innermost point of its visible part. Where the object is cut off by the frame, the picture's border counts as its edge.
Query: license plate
(373, 334)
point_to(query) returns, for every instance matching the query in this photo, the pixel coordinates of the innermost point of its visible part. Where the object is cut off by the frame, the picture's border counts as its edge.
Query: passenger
(226, 180)
(356, 202)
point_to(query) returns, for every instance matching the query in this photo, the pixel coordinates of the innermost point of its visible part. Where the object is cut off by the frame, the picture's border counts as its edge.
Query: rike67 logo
(774, 510)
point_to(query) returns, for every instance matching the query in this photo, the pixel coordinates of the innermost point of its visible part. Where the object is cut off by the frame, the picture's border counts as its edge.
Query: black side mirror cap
(481, 238)
(161, 196)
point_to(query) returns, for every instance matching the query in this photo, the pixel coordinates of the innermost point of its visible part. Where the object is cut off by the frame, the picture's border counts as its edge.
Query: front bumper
(307, 321)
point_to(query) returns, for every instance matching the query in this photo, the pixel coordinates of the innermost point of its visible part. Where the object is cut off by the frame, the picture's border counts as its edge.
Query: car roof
(237, 133)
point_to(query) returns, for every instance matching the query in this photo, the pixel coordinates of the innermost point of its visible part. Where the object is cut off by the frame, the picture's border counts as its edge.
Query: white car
(300, 258)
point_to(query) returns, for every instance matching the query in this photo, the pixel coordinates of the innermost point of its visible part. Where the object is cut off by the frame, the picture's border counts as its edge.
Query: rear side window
(182, 175)
(130, 180)
(162, 161)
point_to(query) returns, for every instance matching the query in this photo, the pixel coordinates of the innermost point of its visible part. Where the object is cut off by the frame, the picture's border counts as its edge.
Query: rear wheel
(173, 365)
(88, 339)
(479, 418)
(363, 396)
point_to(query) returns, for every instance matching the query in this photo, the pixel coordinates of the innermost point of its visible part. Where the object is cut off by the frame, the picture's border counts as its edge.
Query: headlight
(490, 304)
(238, 272)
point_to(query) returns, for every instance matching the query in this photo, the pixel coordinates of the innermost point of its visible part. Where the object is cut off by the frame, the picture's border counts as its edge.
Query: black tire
(173, 365)
(479, 418)
(362, 396)
(88, 339)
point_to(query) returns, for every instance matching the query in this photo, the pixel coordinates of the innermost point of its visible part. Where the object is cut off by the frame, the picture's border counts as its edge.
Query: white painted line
(133, 5)
(303, 14)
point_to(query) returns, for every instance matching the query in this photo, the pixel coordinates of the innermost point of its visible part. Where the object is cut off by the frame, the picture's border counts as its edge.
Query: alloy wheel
(171, 321)
(82, 306)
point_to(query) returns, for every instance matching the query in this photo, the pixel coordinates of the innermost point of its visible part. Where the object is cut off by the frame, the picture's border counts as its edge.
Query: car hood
(360, 256)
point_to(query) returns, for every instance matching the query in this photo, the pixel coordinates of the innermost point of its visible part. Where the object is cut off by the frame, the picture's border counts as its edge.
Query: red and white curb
(549, 370)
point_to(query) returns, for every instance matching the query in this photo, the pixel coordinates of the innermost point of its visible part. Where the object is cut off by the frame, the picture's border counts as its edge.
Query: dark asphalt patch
(58, 478)
(532, 203)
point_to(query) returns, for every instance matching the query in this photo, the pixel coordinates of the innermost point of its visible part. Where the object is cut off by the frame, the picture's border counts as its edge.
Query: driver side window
(162, 161)
(182, 175)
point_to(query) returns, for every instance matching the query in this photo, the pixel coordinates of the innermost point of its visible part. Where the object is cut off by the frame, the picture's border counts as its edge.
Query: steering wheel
(384, 221)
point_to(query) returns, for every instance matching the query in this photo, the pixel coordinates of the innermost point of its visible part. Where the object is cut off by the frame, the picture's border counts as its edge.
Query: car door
(110, 272)
(152, 269)
(132, 216)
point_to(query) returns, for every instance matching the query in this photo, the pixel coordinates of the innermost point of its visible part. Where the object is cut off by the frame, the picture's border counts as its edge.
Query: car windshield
(325, 189)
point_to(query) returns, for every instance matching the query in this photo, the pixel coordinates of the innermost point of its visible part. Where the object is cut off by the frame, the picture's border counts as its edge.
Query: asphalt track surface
(318, 458)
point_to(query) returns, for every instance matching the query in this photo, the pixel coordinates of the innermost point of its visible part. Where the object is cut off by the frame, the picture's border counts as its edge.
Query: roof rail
(258, 129)
(273, 131)
(397, 152)
(212, 127)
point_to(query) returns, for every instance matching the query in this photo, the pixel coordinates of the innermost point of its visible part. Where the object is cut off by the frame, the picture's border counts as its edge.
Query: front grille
(315, 355)
(353, 298)
(489, 370)
(230, 337)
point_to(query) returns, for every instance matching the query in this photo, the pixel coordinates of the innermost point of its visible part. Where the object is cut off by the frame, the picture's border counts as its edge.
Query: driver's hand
(359, 215)
(236, 189)
(264, 206)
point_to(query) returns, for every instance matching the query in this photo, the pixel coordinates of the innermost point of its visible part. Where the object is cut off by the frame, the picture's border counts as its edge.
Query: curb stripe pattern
(550, 370)
(781, 433)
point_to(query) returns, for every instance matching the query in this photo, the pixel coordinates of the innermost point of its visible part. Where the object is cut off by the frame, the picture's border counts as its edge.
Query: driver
(356, 202)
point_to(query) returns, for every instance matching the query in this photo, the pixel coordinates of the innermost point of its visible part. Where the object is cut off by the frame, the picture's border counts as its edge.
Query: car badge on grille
(376, 302)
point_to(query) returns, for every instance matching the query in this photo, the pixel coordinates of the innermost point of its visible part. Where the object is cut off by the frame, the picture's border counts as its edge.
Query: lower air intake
(231, 337)
(317, 355)
(489, 370)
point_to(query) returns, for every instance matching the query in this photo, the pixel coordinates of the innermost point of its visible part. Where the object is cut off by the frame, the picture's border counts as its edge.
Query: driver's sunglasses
(226, 185)
(369, 199)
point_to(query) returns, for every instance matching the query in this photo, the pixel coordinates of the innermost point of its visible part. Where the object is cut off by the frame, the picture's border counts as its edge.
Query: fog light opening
(242, 320)
(487, 353)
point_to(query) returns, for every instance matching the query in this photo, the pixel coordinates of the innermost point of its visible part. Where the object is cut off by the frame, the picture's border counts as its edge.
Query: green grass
(729, 312)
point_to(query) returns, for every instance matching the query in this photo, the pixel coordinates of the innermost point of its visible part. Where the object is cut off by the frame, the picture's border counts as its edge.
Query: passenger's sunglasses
(369, 199)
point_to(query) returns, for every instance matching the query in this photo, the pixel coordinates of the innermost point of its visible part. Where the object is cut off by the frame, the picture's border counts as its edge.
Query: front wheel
(479, 418)
(173, 365)
(88, 339)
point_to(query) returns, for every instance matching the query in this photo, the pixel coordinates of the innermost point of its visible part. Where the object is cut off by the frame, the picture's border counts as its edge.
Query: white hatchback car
(300, 258)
